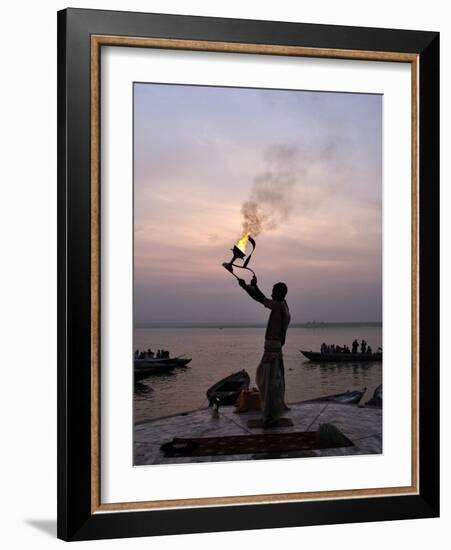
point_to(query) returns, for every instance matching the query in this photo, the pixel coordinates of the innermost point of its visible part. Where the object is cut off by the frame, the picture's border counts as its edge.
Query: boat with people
(228, 389)
(333, 353)
(348, 398)
(318, 357)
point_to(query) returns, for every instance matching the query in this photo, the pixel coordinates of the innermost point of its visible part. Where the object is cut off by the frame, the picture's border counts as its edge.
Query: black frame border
(75, 520)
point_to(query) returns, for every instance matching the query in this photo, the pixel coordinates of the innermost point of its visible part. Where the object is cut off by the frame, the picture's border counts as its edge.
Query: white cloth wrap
(270, 380)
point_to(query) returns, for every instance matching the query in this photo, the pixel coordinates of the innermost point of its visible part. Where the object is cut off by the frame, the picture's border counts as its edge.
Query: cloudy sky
(313, 160)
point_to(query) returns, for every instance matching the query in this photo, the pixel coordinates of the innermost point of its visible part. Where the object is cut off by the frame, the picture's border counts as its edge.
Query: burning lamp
(239, 253)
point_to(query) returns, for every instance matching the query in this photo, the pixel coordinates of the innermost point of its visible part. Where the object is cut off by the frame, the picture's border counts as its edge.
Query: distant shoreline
(311, 324)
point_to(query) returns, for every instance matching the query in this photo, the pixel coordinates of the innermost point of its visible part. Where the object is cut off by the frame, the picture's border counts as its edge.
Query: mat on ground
(250, 444)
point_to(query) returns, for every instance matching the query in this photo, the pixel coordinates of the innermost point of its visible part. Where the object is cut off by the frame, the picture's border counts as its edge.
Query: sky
(311, 160)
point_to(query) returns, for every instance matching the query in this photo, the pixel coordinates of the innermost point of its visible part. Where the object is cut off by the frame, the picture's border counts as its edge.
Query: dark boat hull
(227, 390)
(349, 397)
(156, 363)
(376, 400)
(143, 367)
(317, 357)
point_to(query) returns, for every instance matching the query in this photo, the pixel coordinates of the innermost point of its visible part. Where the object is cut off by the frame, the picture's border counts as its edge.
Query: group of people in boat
(149, 354)
(364, 348)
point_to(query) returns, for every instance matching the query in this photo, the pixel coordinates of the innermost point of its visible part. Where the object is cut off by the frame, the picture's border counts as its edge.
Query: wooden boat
(349, 397)
(158, 365)
(229, 388)
(317, 357)
(376, 400)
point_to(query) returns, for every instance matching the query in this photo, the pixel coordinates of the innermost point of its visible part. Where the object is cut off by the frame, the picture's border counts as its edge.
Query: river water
(218, 352)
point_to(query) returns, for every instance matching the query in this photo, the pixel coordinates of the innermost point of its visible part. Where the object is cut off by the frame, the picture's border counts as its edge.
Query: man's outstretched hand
(252, 289)
(243, 283)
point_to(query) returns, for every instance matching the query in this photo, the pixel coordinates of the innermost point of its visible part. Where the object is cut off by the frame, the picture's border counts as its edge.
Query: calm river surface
(218, 352)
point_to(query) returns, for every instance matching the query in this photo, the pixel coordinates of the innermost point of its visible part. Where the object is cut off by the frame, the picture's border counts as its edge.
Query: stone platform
(363, 426)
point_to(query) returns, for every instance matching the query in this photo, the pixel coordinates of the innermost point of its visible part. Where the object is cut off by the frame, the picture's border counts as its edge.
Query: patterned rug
(247, 444)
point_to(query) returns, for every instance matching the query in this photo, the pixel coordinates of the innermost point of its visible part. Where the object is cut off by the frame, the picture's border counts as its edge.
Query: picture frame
(81, 36)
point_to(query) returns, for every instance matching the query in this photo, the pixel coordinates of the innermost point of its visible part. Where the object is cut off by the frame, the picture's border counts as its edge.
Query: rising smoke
(289, 167)
(270, 201)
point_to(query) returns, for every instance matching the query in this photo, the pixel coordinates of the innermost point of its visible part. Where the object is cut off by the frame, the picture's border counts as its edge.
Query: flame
(242, 243)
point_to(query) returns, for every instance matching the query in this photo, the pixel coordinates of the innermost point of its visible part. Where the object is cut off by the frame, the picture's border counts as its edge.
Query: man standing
(270, 372)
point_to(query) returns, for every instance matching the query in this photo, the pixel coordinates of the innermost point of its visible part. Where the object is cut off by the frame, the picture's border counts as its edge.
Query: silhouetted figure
(369, 350)
(363, 346)
(355, 346)
(323, 347)
(270, 375)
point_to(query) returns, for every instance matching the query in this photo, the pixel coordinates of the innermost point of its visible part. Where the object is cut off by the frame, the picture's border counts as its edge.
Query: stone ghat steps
(363, 426)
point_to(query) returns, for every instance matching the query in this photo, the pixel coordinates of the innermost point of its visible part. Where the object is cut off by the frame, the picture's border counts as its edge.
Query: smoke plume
(270, 202)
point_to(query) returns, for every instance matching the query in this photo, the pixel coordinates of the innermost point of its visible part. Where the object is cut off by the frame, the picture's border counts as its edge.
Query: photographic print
(257, 273)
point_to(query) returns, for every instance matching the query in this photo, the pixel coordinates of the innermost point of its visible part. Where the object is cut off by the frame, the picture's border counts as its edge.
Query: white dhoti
(270, 380)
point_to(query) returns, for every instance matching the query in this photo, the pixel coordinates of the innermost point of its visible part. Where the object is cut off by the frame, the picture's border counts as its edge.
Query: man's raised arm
(252, 289)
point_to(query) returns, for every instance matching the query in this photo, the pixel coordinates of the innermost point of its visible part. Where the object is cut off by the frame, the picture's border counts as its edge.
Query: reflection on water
(217, 353)
(141, 390)
(332, 374)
